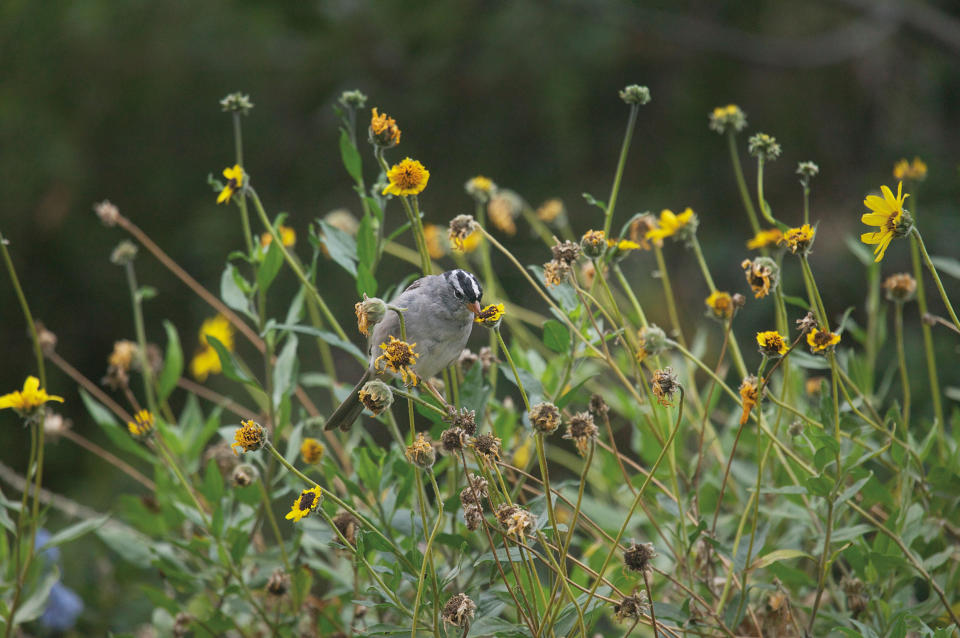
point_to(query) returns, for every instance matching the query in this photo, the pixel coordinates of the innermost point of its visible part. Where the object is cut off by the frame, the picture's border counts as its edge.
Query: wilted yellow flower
(491, 315)
(664, 385)
(399, 357)
(551, 210)
(765, 238)
(772, 343)
(437, 241)
(307, 502)
(582, 431)
(555, 272)
(669, 225)
(409, 177)
(916, 170)
(369, 313)
(480, 188)
(820, 340)
(720, 304)
(798, 240)
(206, 361)
(142, 424)
(421, 452)
(750, 395)
(32, 396)
(234, 183)
(462, 227)
(288, 237)
(311, 451)
(503, 209)
(515, 520)
(762, 274)
(384, 131)
(376, 396)
(889, 216)
(250, 436)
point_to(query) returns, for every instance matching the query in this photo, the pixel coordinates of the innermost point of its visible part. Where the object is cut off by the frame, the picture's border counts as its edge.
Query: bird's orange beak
(474, 307)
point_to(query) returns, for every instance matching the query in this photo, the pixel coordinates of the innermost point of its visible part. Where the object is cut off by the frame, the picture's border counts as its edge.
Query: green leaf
(366, 282)
(172, 363)
(329, 337)
(595, 202)
(36, 601)
(75, 531)
(366, 242)
(779, 555)
(147, 292)
(115, 432)
(556, 336)
(819, 485)
(285, 370)
(350, 157)
(269, 267)
(212, 487)
(231, 292)
(947, 266)
(341, 246)
(230, 368)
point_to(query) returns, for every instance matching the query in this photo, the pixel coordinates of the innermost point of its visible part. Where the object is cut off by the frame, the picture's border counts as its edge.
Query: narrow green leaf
(269, 267)
(556, 336)
(115, 432)
(230, 368)
(231, 293)
(75, 531)
(350, 157)
(778, 555)
(366, 282)
(285, 370)
(341, 246)
(947, 266)
(172, 363)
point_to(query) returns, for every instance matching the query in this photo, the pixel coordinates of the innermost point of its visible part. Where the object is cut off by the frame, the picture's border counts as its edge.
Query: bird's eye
(458, 294)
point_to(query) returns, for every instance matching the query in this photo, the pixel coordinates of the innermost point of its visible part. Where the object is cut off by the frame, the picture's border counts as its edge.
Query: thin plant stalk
(741, 182)
(902, 362)
(936, 277)
(927, 332)
(621, 162)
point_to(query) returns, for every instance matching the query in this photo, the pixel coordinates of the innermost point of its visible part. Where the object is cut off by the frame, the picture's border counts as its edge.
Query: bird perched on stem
(438, 313)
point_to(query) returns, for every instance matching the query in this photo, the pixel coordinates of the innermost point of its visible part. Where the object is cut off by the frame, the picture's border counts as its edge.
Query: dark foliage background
(100, 99)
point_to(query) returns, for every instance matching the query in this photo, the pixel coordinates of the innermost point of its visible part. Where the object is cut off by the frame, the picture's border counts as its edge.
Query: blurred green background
(101, 99)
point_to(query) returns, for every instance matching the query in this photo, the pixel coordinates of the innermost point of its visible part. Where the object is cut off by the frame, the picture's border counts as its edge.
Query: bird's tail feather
(351, 408)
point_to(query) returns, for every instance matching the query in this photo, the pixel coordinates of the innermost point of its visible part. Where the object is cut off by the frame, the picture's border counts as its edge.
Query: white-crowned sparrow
(439, 313)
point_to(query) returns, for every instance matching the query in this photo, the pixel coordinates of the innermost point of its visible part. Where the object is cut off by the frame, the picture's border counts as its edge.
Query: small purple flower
(63, 607)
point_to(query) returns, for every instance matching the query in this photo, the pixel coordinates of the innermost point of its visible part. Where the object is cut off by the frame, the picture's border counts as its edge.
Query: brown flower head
(582, 431)
(461, 227)
(459, 611)
(567, 251)
(488, 447)
(598, 407)
(632, 606)
(639, 227)
(900, 287)
(555, 272)
(279, 583)
(119, 364)
(762, 274)
(464, 419)
(515, 521)
(637, 557)
(653, 340)
(771, 344)
(453, 440)
(398, 356)
(347, 524)
(665, 384)
(545, 418)
(475, 493)
(720, 305)
(821, 340)
(806, 323)
(376, 396)
(421, 452)
(857, 598)
(473, 518)
(244, 475)
(108, 213)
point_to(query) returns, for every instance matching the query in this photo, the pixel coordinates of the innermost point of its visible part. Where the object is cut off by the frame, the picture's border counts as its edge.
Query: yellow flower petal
(874, 219)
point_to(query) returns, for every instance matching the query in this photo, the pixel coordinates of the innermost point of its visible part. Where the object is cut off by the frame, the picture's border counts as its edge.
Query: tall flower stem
(295, 267)
(902, 361)
(936, 277)
(668, 293)
(741, 182)
(492, 286)
(413, 216)
(764, 209)
(273, 524)
(734, 347)
(636, 500)
(624, 149)
(927, 332)
(513, 366)
(242, 201)
(138, 325)
(637, 308)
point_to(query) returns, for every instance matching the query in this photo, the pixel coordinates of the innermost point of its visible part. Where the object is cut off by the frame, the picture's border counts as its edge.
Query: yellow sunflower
(888, 216)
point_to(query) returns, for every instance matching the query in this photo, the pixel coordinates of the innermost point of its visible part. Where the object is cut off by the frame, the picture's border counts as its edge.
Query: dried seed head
(279, 583)
(515, 520)
(244, 475)
(369, 313)
(545, 418)
(475, 493)
(750, 395)
(54, 424)
(631, 606)
(487, 446)
(900, 287)
(764, 146)
(461, 227)
(635, 94)
(807, 323)
(566, 252)
(124, 253)
(45, 338)
(762, 274)
(665, 384)
(796, 428)
(464, 419)
(347, 524)
(857, 598)
(467, 359)
(598, 407)
(376, 396)
(555, 272)
(459, 611)
(421, 452)
(108, 213)
(582, 431)
(181, 624)
(453, 440)
(473, 518)
(637, 557)
(653, 340)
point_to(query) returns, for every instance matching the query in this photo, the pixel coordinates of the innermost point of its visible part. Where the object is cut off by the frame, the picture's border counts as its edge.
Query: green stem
(624, 148)
(273, 524)
(764, 209)
(242, 201)
(668, 293)
(902, 360)
(295, 267)
(146, 370)
(513, 366)
(927, 333)
(734, 347)
(936, 278)
(741, 182)
(618, 272)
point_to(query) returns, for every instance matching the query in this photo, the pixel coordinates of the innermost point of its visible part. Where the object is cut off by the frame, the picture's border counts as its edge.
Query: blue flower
(63, 607)
(52, 554)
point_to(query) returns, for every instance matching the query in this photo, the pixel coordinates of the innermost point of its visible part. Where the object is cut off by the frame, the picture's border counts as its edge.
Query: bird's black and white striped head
(465, 286)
